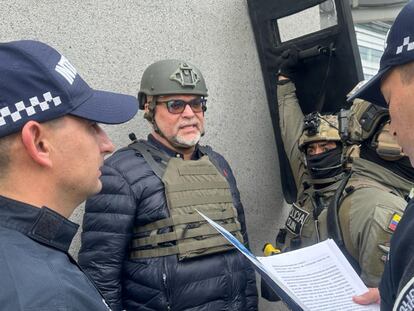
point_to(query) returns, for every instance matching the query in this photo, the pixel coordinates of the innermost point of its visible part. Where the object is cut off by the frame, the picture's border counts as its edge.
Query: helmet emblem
(185, 76)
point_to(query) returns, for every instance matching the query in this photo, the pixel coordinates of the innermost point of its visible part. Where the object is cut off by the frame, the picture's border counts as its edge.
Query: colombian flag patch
(395, 219)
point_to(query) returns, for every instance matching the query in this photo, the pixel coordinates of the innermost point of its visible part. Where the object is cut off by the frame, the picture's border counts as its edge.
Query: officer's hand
(370, 297)
(289, 61)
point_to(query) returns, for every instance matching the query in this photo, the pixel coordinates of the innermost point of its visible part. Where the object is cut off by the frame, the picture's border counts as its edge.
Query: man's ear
(34, 139)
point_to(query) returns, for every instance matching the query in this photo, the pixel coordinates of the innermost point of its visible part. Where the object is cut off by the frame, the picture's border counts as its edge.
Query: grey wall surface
(111, 42)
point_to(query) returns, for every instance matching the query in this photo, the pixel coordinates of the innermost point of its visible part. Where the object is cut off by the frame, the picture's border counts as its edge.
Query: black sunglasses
(177, 106)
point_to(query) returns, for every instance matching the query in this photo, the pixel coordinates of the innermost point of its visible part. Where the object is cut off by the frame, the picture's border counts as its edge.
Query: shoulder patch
(405, 299)
(296, 220)
(395, 219)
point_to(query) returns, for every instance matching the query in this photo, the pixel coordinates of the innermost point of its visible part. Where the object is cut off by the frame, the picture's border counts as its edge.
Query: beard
(182, 142)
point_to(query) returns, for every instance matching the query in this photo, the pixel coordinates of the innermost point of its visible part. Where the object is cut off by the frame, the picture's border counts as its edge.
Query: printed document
(314, 278)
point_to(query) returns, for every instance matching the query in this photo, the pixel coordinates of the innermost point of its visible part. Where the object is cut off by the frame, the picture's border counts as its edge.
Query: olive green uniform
(291, 123)
(369, 209)
(368, 215)
(302, 222)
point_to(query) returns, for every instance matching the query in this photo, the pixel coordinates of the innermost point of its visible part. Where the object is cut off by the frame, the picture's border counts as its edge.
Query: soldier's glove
(289, 62)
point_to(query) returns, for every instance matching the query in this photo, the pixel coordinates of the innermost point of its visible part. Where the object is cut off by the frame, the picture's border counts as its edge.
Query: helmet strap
(150, 115)
(151, 108)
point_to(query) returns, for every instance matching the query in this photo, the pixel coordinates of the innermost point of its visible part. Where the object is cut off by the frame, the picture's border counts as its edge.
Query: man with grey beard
(143, 242)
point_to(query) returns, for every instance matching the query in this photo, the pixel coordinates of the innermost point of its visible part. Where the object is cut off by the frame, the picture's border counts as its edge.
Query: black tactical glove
(289, 61)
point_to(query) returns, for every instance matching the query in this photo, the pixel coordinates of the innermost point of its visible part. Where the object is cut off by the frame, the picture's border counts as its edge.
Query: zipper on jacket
(164, 279)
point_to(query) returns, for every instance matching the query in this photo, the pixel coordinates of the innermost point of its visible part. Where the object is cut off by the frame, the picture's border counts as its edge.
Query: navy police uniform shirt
(36, 272)
(397, 283)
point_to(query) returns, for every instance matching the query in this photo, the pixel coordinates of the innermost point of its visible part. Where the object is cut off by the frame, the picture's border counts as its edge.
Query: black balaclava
(325, 165)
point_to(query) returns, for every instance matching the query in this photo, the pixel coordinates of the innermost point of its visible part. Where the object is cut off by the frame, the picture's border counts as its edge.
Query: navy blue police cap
(38, 83)
(399, 50)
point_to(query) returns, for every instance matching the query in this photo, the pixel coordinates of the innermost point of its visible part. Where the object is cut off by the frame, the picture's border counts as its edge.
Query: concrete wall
(111, 42)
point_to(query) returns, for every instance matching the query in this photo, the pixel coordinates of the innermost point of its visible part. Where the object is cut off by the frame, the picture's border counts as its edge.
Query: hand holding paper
(314, 278)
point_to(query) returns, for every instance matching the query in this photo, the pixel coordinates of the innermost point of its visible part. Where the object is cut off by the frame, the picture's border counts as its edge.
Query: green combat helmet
(317, 127)
(168, 77)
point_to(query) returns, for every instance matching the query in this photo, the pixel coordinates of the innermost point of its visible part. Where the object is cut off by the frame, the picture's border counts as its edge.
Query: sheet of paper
(284, 293)
(317, 277)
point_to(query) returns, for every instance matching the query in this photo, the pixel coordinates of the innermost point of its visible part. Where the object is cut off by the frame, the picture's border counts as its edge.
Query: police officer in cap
(51, 151)
(143, 242)
(393, 86)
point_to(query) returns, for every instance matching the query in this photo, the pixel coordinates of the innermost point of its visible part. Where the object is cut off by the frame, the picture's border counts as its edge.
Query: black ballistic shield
(330, 63)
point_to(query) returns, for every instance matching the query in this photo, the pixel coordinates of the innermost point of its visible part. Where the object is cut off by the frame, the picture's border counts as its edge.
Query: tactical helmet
(317, 127)
(364, 120)
(369, 122)
(171, 76)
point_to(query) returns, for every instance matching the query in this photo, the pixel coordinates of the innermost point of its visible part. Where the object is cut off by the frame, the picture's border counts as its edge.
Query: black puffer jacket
(133, 195)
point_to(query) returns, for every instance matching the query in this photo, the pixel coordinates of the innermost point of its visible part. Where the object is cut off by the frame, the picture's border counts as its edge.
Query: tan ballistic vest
(189, 186)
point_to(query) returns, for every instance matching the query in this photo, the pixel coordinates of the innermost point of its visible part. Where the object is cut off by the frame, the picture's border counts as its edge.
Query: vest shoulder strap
(208, 151)
(334, 226)
(149, 152)
(205, 149)
(347, 186)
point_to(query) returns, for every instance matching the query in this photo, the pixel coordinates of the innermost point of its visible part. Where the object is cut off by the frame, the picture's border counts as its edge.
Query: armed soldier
(314, 149)
(143, 243)
(360, 211)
